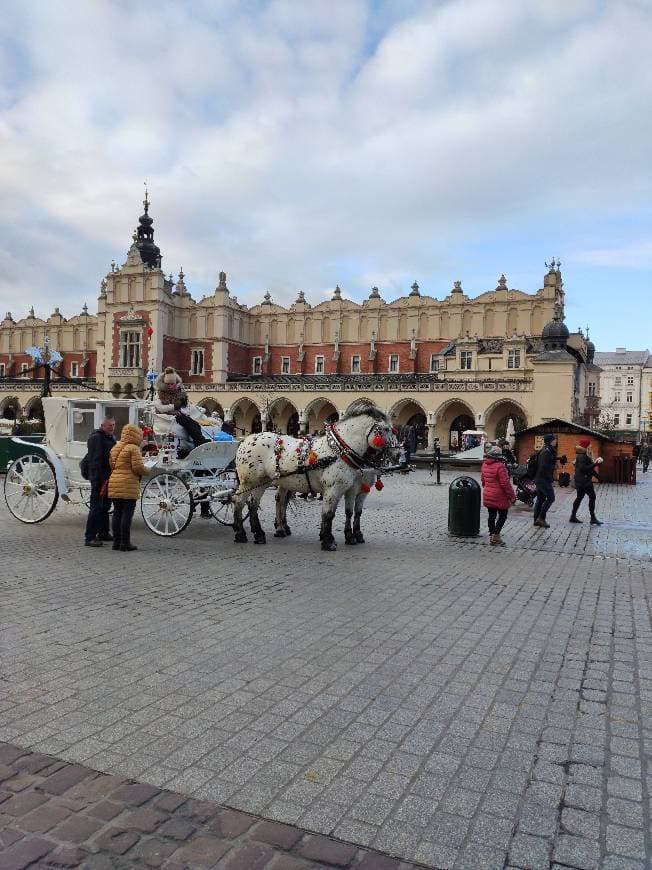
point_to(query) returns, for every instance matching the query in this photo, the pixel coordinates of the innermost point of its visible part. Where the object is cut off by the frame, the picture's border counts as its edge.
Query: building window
(355, 364)
(74, 369)
(3, 370)
(616, 419)
(434, 362)
(628, 420)
(319, 365)
(393, 362)
(130, 350)
(629, 398)
(591, 388)
(618, 382)
(285, 365)
(197, 362)
(513, 359)
(617, 395)
(466, 359)
(630, 381)
(257, 365)
(23, 369)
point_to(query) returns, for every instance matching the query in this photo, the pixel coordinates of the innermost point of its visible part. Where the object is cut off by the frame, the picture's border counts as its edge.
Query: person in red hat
(585, 471)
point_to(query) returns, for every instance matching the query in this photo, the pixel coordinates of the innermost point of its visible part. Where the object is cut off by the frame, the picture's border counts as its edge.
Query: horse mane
(365, 408)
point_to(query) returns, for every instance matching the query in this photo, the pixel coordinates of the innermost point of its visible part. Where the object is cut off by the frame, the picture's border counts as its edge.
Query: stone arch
(409, 411)
(211, 406)
(319, 412)
(283, 417)
(10, 408)
(497, 414)
(467, 321)
(245, 416)
(34, 408)
(452, 417)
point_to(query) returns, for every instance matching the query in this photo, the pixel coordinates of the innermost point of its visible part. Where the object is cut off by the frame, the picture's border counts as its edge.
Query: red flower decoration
(379, 484)
(364, 487)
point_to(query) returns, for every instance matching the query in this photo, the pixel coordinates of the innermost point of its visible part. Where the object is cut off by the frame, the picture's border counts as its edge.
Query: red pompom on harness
(379, 484)
(378, 441)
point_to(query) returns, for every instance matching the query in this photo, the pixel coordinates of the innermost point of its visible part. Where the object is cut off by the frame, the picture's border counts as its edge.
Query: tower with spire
(150, 253)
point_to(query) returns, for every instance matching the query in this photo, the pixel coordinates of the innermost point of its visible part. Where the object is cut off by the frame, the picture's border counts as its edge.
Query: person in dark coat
(543, 478)
(508, 455)
(644, 456)
(99, 445)
(585, 471)
(410, 441)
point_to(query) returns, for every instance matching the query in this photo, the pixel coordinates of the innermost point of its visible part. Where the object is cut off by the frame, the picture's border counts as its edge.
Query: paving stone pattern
(434, 699)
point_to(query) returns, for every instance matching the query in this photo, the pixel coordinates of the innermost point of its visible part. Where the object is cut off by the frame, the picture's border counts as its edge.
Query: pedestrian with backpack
(95, 468)
(543, 477)
(497, 493)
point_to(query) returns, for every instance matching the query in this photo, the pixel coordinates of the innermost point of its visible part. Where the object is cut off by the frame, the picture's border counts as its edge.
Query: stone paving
(431, 698)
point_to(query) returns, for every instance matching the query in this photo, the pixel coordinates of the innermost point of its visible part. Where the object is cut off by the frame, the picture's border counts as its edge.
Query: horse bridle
(347, 454)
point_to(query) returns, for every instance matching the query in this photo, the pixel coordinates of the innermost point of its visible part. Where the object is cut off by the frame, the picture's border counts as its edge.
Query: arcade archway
(10, 408)
(283, 417)
(498, 415)
(318, 413)
(453, 418)
(245, 417)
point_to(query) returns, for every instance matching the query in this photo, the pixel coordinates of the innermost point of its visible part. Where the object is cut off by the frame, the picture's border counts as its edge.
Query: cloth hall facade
(446, 364)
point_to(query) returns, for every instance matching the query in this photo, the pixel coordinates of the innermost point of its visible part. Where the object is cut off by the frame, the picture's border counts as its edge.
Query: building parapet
(327, 384)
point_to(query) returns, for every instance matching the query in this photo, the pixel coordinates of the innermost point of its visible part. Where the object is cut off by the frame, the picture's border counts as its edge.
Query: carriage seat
(212, 455)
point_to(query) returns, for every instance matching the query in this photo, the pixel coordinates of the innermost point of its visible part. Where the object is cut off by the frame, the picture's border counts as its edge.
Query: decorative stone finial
(113, 265)
(502, 283)
(337, 293)
(103, 287)
(222, 281)
(375, 293)
(56, 312)
(84, 309)
(9, 317)
(457, 287)
(267, 298)
(31, 312)
(301, 296)
(415, 290)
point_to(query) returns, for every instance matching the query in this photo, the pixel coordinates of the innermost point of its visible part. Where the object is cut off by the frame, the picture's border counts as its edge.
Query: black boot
(574, 519)
(595, 521)
(116, 543)
(126, 546)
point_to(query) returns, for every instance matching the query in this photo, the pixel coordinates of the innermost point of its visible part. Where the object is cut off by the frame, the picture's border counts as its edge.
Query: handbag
(104, 489)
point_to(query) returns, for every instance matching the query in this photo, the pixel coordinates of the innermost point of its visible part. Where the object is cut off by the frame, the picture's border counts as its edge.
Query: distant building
(624, 389)
(444, 364)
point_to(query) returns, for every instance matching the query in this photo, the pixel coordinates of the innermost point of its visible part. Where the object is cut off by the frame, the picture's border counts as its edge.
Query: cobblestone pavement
(431, 698)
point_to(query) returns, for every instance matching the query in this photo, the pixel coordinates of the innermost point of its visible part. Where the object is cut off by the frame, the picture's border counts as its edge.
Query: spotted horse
(334, 464)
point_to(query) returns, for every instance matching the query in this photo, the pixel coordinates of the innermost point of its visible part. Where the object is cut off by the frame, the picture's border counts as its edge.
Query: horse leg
(349, 499)
(256, 528)
(279, 521)
(359, 504)
(286, 528)
(238, 525)
(329, 507)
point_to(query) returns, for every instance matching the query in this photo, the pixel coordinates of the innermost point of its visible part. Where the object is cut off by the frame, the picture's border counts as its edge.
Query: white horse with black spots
(334, 464)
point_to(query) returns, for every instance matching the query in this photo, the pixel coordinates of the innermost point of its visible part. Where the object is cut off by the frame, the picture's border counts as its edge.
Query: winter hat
(495, 451)
(549, 438)
(585, 442)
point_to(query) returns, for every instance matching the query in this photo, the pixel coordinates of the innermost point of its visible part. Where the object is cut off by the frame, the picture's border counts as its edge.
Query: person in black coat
(410, 441)
(585, 471)
(546, 461)
(99, 445)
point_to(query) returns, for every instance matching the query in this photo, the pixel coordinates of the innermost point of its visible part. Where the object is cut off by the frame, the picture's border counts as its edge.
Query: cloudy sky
(297, 144)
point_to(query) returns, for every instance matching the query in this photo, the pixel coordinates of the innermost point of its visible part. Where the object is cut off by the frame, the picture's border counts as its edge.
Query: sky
(300, 144)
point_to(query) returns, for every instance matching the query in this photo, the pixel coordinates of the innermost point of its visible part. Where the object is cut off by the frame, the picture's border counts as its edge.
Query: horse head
(369, 427)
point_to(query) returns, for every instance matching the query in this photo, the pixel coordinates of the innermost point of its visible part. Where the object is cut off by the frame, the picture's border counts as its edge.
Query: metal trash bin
(464, 498)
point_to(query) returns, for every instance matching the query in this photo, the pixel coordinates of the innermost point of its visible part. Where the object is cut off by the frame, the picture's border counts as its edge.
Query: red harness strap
(348, 455)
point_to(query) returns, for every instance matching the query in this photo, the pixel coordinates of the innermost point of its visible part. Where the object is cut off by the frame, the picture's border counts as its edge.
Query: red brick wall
(239, 358)
(177, 353)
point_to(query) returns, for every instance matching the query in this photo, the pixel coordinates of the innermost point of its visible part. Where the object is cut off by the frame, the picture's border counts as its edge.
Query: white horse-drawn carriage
(174, 488)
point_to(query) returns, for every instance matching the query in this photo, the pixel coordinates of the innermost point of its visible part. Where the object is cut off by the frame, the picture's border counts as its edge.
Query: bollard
(464, 497)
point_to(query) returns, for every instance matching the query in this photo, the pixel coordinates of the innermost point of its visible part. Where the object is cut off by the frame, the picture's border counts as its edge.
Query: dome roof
(556, 329)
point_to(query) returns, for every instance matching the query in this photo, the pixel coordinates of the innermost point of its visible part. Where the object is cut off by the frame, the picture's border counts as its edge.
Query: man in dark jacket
(585, 471)
(410, 442)
(543, 478)
(99, 444)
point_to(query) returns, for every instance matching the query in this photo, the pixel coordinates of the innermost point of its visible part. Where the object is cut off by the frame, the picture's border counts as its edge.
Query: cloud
(637, 255)
(298, 145)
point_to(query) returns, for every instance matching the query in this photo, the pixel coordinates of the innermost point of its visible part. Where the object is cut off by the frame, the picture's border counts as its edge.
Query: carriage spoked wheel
(166, 504)
(221, 502)
(31, 488)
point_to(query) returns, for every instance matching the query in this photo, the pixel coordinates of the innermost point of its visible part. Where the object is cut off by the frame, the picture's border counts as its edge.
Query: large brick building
(448, 364)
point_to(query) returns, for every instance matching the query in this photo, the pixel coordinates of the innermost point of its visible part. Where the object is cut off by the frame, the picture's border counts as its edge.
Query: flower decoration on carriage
(279, 446)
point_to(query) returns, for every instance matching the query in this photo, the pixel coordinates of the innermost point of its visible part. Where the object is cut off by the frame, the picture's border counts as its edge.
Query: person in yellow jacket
(127, 468)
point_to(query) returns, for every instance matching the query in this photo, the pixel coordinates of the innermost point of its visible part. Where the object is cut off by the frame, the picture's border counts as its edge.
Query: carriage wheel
(166, 505)
(31, 488)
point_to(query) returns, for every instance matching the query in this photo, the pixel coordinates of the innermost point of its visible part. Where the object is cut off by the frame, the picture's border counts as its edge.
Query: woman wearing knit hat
(497, 492)
(585, 471)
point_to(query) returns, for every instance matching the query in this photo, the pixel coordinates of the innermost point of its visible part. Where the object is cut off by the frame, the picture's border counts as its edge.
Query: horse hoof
(330, 546)
(280, 533)
(287, 531)
(260, 539)
(359, 539)
(240, 539)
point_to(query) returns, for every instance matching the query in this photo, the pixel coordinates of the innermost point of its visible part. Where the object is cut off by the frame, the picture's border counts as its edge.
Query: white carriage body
(199, 477)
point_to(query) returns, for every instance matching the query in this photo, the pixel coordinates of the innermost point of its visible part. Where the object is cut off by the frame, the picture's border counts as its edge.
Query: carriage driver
(99, 445)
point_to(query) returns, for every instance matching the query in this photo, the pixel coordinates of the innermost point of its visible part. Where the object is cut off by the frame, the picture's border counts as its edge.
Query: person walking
(99, 446)
(546, 461)
(585, 471)
(127, 467)
(644, 456)
(410, 441)
(497, 493)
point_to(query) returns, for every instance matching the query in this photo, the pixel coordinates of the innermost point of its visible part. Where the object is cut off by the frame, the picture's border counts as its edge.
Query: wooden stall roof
(562, 426)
